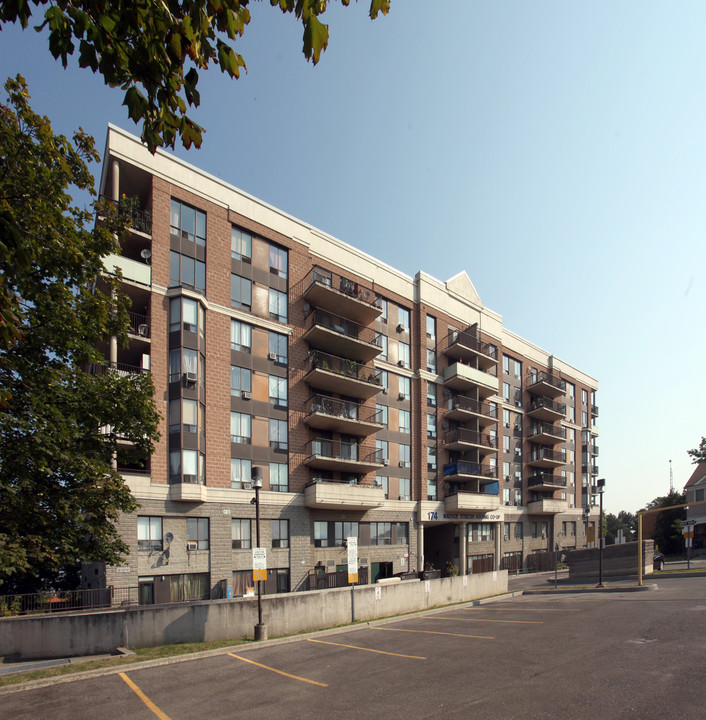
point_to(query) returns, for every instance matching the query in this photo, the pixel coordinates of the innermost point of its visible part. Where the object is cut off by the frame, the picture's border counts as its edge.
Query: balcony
(342, 416)
(546, 506)
(465, 501)
(333, 374)
(546, 433)
(545, 457)
(593, 469)
(544, 408)
(343, 496)
(138, 272)
(329, 291)
(347, 457)
(546, 384)
(187, 491)
(594, 410)
(462, 471)
(139, 326)
(590, 448)
(340, 336)
(466, 378)
(546, 481)
(466, 439)
(466, 347)
(462, 409)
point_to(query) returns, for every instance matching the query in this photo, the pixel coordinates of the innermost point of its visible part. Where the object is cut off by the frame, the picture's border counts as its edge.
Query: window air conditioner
(271, 356)
(385, 461)
(401, 396)
(143, 329)
(401, 463)
(384, 391)
(400, 363)
(190, 377)
(192, 545)
(400, 328)
(246, 395)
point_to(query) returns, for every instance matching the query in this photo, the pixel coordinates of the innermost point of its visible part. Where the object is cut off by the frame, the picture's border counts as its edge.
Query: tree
(60, 426)
(625, 521)
(154, 50)
(667, 528)
(698, 454)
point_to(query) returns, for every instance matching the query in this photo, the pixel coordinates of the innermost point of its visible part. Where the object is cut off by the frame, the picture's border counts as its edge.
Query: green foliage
(154, 50)
(625, 521)
(667, 529)
(698, 454)
(59, 425)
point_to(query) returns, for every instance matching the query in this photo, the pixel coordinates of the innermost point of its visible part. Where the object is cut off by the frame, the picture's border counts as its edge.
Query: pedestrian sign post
(259, 564)
(352, 543)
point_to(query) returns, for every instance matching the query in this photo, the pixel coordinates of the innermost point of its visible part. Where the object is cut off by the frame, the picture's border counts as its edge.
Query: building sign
(352, 543)
(259, 564)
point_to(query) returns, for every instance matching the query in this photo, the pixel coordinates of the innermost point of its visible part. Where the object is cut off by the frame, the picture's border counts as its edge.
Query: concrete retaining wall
(618, 561)
(73, 634)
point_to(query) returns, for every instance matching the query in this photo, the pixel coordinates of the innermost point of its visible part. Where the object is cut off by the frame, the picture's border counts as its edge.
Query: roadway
(586, 655)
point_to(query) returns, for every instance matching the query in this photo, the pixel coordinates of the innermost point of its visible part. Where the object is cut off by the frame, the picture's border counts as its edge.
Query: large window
(403, 317)
(405, 455)
(381, 414)
(431, 458)
(343, 530)
(321, 534)
(280, 533)
(381, 446)
(279, 477)
(240, 336)
(278, 261)
(186, 271)
(240, 292)
(382, 304)
(197, 531)
(404, 388)
(240, 244)
(149, 533)
(185, 416)
(405, 491)
(405, 421)
(402, 533)
(381, 342)
(431, 327)
(431, 360)
(278, 305)
(186, 466)
(431, 426)
(277, 347)
(188, 222)
(404, 354)
(381, 533)
(278, 391)
(241, 533)
(240, 428)
(240, 472)
(278, 435)
(240, 380)
(187, 314)
(431, 394)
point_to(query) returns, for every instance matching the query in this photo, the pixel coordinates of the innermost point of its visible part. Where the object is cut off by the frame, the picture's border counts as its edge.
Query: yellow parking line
(356, 647)
(432, 632)
(519, 622)
(279, 672)
(515, 607)
(144, 698)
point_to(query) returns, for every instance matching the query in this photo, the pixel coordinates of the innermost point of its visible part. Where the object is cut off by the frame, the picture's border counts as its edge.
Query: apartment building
(395, 409)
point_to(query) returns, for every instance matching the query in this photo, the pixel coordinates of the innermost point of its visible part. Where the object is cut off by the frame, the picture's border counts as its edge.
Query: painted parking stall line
(279, 672)
(372, 650)
(433, 632)
(159, 713)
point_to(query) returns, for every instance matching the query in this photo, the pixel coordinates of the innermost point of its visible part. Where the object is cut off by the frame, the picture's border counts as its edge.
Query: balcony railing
(345, 409)
(63, 600)
(467, 404)
(463, 467)
(139, 325)
(544, 403)
(140, 218)
(337, 334)
(327, 290)
(472, 437)
(345, 369)
(594, 410)
(543, 453)
(546, 378)
(343, 450)
(464, 345)
(543, 428)
(118, 368)
(546, 480)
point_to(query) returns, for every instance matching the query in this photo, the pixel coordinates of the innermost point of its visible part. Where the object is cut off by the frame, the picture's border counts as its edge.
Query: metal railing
(465, 435)
(346, 409)
(543, 428)
(545, 402)
(342, 326)
(342, 450)
(339, 578)
(542, 453)
(341, 284)
(140, 218)
(462, 467)
(139, 325)
(456, 337)
(346, 367)
(67, 600)
(547, 378)
(546, 479)
(461, 402)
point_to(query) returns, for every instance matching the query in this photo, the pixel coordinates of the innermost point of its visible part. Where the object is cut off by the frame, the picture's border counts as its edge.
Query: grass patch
(141, 655)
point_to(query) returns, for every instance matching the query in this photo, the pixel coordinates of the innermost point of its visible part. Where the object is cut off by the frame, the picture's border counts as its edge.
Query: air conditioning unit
(400, 328)
(192, 545)
(385, 461)
(190, 479)
(401, 396)
(384, 391)
(246, 395)
(143, 329)
(190, 377)
(400, 363)
(402, 463)
(271, 356)
(544, 536)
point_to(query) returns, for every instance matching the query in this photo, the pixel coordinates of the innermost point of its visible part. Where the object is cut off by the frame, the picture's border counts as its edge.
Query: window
(518, 531)
(403, 317)
(382, 304)
(190, 311)
(321, 534)
(278, 305)
(431, 361)
(402, 533)
(197, 531)
(431, 458)
(240, 379)
(349, 447)
(381, 414)
(382, 449)
(186, 271)
(518, 497)
(572, 413)
(149, 533)
(279, 477)
(184, 416)
(506, 392)
(431, 489)
(278, 347)
(584, 397)
(278, 434)
(405, 421)
(431, 394)
(545, 529)
(381, 533)
(278, 391)
(343, 530)
(431, 426)
(404, 455)
(533, 529)
(186, 466)
(431, 327)
(240, 292)
(240, 428)
(506, 418)
(405, 491)
(280, 533)
(506, 443)
(278, 261)
(381, 342)
(240, 472)
(404, 387)
(506, 497)
(506, 364)
(517, 369)
(240, 244)
(570, 390)
(384, 380)
(584, 418)
(241, 533)
(403, 353)
(188, 222)
(506, 470)
(240, 336)
(384, 482)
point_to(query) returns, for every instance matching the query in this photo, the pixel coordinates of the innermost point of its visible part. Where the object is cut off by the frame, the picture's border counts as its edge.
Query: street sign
(352, 543)
(590, 534)
(259, 564)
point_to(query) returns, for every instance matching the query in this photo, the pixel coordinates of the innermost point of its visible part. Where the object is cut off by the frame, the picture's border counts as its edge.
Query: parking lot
(618, 655)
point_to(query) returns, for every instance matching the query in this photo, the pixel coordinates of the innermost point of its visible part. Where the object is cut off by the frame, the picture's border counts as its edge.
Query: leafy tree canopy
(625, 521)
(667, 527)
(60, 426)
(698, 454)
(153, 50)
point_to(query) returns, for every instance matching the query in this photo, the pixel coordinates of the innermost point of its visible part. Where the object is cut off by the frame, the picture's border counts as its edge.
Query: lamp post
(260, 628)
(600, 484)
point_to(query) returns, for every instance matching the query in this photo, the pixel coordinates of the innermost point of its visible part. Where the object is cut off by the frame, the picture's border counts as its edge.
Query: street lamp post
(260, 628)
(600, 484)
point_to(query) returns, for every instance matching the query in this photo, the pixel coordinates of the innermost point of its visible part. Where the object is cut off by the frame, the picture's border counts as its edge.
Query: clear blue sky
(555, 151)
